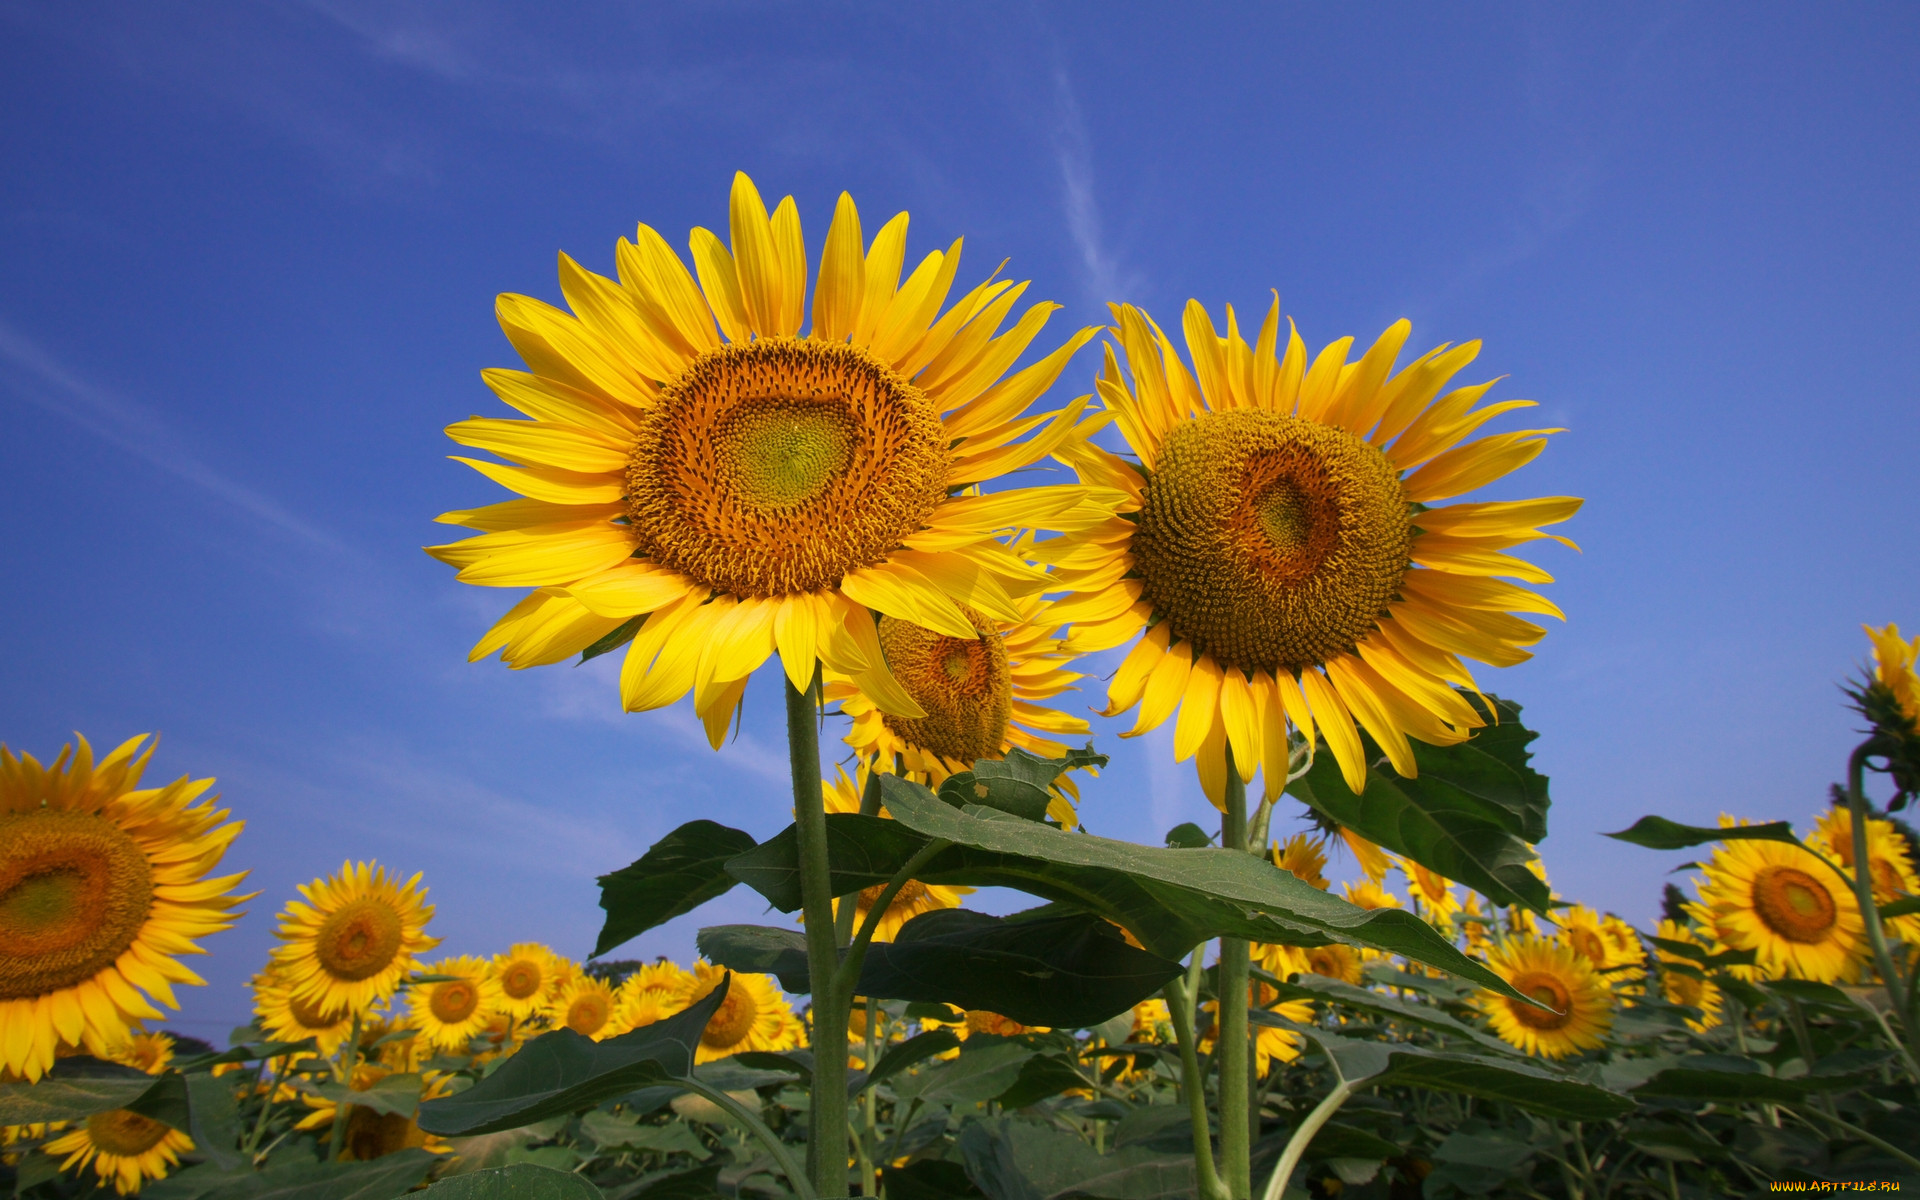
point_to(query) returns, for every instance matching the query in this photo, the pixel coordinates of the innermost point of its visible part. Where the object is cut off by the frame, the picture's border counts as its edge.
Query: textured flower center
(732, 1021)
(1685, 989)
(588, 1012)
(1794, 905)
(911, 892)
(1270, 541)
(454, 1001)
(781, 465)
(75, 890)
(981, 1021)
(373, 1134)
(127, 1134)
(1548, 989)
(1335, 962)
(964, 685)
(1588, 945)
(361, 939)
(309, 1015)
(521, 979)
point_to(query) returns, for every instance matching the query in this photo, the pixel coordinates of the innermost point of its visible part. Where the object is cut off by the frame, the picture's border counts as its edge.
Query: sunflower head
(1558, 977)
(1889, 698)
(1368, 894)
(1780, 901)
(1681, 980)
(1336, 961)
(353, 937)
(527, 974)
(1305, 857)
(753, 1016)
(288, 1018)
(585, 1005)
(452, 1012)
(125, 1149)
(103, 886)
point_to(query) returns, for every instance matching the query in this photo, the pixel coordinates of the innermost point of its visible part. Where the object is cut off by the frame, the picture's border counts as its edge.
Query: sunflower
(1787, 906)
(981, 696)
(527, 976)
(1555, 975)
(373, 1133)
(1432, 893)
(1270, 1044)
(354, 939)
(1888, 858)
(124, 1147)
(1682, 987)
(1370, 858)
(1336, 961)
(103, 887)
(652, 993)
(1277, 555)
(1476, 934)
(449, 1015)
(285, 1017)
(1305, 857)
(149, 1052)
(754, 1015)
(748, 490)
(1368, 894)
(586, 1006)
(1280, 960)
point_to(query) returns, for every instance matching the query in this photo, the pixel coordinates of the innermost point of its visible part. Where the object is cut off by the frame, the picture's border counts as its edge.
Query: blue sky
(252, 250)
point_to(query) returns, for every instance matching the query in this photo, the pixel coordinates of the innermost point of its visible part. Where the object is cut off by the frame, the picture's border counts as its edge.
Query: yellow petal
(1240, 713)
(1464, 591)
(718, 716)
(1199, 708)
(1165, 685)
(1462, 557)
(900, 591)
(551, 400)
(1476, 464)
(963, 581)
(666, 295)
(644, 651)
(542, 444)
(1336, 726)
(1349, 678)
(797, 632)
(518, 514)
(552, 484)
(720, 284)
(884, 259)
(755, 261)
(671, 674)
(1318, 389)
(558, 345)
(739, 641)
(631, 587)
(541, 555)
(836, 297)
(1130, 681)
(790, 250)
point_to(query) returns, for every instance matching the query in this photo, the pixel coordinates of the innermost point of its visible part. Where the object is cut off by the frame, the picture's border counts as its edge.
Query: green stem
(846, 977)
(1848, 1127)
(869, 807)
(266, 1103)
(1303, 1136)
(758, 1128)
(1179, 994)
(349, 1059)
(1236, 1063)
(827, 1147)
(870, 1101)
(1863, 889)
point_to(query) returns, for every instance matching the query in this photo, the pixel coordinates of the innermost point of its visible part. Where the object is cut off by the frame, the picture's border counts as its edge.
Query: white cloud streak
(1104, 278)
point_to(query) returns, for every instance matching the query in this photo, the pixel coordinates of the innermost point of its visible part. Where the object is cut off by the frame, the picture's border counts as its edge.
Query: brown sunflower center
(361, 939)
(732, 1021)
(311, 1016)
(521, 979)
(1587, 944)
(1794, 905)
(373, 1134)
(1685, 989)
(454, 1001)
(781, 465)
(911, 892)
(588, 1012)
(75, 891)
(964, 684)
(127, 1134)
(1548, 989)
(1270, 541)
(981, 1021)
(1331, 961)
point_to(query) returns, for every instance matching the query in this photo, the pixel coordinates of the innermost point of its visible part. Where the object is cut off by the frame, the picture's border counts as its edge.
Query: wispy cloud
(1104, 277)
(591, 692)
(42, 380)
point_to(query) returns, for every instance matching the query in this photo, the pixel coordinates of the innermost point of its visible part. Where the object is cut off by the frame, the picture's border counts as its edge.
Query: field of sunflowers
(1276, 537)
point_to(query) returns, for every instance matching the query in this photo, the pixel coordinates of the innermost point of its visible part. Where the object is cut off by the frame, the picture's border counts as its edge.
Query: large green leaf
(80, 1086)
(1471, 814)
(985, 1068)
(1725, 1079)
(916, 1049)
(1012, 1159)
(679, 873)
(1380, 1004)
(564, 1072)
(864, 852)
(1170, 899)
(1658, 833)
(760, 950)
(215, 1120)
(382, 1179)
(522, 1181)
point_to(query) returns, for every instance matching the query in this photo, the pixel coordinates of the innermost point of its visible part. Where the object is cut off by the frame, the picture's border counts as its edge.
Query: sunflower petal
(836, 297)
(1336, 726)
(1166, 683)
(1199, 708)
(631, 587)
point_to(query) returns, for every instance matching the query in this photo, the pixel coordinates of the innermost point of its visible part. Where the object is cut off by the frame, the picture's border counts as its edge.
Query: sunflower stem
(845, 914)
(847, 975)
(1863, 889)
(827, 1147)
(758, 1128)
(1236, 1063)
(349, 1059)
(1180, 994)
(1303, 1135)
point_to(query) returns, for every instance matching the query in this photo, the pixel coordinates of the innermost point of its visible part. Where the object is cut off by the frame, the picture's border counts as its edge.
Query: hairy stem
(1193, 1083)
(1303, 1136)
(827, 1147)
(758, 1128)
(1236, 1134)
(349, 1059)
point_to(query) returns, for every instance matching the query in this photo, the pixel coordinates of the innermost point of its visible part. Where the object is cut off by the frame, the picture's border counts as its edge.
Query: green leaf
(1379, 1004)
(1904, 906)
(382, 1179)
(611, 1133)
(77, 1088)
(1188, 836)
(522, 1181)
(1012, 1159)
(215, 1120)
(1483, 1152)
(682, 871)
(1336, 1140)
(864, 852)
(1518, 1082)
(621, 635)
(1725, 1079)
(1658, 833)
(701, 1183)
(1472, 814)
(564, 1072)
(986, 1068)
(759, 950)
(1021, 783)
(1041, 1077)
(247, 1052)
(1171, 900)
(929, 1179)
(398, 1095)
(915, 1049)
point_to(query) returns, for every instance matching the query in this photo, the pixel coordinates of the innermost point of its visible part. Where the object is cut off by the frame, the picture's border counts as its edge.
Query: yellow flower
(1888, 857)
(451, 1014)
(1336, 961)
(371, 1133)
(125, 1148)
(1787, 906)
(1433, 893)
(150, 1052)
(748, 490)
(1279, 960)
(1894, 669)
(1559, 977)
(1476, 934)
(354, 938)
(1368, 894)
(287, 1018)
(103, 887)
(1305, 857)
(653, 992)
(1152, 1023)
(1681, 988)
(981, 696)
(1371, 859)
(1277, 549)
(1269, 1044)
(754, 1015)
(586, 1006)
(1610, 945)
(527, 975)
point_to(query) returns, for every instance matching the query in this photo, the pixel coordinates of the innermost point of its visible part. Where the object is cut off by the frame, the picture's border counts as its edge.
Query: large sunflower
(1555, 975)
(527, 975)
(103, 886)
(287, 1018)
(747, 490)
(354, 938)
(1888, 858)
(981, 696)
(1787, 906)
(451, 1013)
(124, 1147)
(1281, 548)
(754, 1015)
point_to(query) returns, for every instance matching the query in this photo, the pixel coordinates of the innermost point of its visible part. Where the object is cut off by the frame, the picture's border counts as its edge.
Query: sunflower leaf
(1021, 783)
(679, 873)
(1904, 906)
(620, 636)
(759, 950)
(1380, 1004)
(521, 1181)
(864, 852)
(1658, 833)
(81, 1086)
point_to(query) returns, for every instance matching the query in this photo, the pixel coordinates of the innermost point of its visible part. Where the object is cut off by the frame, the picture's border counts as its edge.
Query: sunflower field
(1277, 544)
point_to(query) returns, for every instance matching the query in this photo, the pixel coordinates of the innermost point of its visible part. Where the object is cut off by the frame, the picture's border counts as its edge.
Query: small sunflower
(1305, 857)
(125, 1148)
(1270, 1044)
(1476, 934)
(450, 1014)
(1610, 945)
(1277, 556)
(1433, 894)
(374, 1133)
(754, 1015)
(104, 886)
(149, 1052)
(287, 1018)
(1368, 894)
(652, 993)
(527, 976)
(1279, 960)
(586, 1006)
(354, 938)
(1888, 858)
(1682, 987)
(1890, 699)
(1336, 961)
(981, 696)
(750, 491)
(1559, 977)
(1787, 906)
